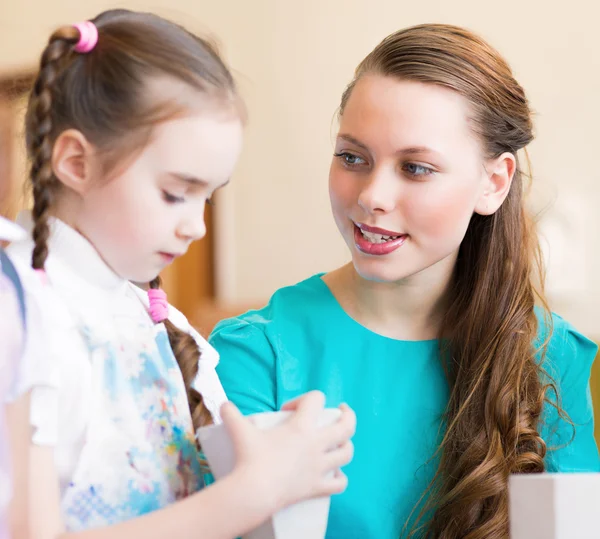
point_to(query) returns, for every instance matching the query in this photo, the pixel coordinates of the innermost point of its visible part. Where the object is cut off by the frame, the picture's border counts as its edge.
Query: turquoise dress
(303, 340)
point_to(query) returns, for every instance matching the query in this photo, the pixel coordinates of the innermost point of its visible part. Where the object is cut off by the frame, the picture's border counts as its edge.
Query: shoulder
(256, 346)
(567, 361)
(569, 354)
(11, 336)
(48, 338)
(292, 308)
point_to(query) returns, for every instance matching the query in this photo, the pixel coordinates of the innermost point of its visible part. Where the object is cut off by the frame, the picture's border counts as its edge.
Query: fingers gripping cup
(303, 520)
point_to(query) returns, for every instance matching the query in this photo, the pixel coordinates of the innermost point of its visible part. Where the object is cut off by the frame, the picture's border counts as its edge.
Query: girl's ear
(500, 173)
(74, 160)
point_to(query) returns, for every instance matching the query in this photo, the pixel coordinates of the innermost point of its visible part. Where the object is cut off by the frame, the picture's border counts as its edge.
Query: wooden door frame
(13, 86)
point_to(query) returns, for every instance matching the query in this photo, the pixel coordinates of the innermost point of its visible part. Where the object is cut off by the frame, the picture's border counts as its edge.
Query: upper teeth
(377, 238)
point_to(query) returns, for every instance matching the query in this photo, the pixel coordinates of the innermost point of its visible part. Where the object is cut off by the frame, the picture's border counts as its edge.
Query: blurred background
(272, 226)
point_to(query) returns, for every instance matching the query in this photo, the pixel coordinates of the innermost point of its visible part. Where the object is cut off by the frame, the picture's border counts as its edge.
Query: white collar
(10, 231)
(74, 251)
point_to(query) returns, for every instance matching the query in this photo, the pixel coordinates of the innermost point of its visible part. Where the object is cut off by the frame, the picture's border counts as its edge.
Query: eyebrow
(410, 151)
(188, 179)
(355, 141)
(195, 181)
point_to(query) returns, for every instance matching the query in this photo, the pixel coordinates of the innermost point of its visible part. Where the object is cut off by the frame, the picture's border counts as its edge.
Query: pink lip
(168, 257)
(375, 230)
(377, 249)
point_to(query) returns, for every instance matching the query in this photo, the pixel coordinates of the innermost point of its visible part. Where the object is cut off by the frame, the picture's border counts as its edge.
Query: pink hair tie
(88, 36)
(42, 275)
(159, 308)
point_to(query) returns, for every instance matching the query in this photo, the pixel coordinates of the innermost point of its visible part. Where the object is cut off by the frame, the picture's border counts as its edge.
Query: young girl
(132, 125)
(431, 333)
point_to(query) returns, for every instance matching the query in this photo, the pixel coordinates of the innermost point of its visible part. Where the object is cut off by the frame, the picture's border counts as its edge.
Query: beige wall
(293, 60)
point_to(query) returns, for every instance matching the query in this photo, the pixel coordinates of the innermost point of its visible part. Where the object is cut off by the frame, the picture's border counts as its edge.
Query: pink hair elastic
(42, 275)
(159, 308)
(88, 36)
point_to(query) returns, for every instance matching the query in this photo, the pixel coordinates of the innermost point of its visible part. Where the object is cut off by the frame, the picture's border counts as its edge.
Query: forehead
(393, 112)
(204, 145)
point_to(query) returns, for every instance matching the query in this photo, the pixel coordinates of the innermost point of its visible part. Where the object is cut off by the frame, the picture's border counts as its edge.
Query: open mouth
(377, 241)
(378, 238)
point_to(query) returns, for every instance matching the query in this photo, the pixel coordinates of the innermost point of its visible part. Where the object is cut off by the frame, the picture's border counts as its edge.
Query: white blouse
(79, 281)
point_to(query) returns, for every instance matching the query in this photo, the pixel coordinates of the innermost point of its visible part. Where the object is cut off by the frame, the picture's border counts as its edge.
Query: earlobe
(72, 159)
(500, 173)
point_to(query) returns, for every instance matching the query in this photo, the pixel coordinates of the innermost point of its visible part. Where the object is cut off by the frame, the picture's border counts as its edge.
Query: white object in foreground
(304, 520)
(554, 506)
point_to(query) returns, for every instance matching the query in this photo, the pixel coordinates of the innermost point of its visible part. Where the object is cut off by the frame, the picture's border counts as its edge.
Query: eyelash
(427, 171)
(343, 156)
(172, 199)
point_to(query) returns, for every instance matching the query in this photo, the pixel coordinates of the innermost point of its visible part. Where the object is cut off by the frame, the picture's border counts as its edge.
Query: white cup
(554, 505)
(304, 520)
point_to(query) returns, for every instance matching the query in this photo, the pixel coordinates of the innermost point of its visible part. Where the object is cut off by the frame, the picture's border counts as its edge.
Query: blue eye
(414, 169)
(349, 159)
(172, 199)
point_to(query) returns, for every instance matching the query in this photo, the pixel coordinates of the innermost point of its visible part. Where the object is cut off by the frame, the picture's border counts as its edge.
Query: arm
(14, 403)
(264, 480)
(44, 498)
(225, 510)
(19, 435)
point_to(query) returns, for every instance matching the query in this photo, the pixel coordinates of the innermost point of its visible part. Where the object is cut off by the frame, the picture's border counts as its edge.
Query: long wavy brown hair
(490, 346)
(105, 95)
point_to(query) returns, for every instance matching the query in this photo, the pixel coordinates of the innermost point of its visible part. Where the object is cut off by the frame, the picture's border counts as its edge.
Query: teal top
(303, 340)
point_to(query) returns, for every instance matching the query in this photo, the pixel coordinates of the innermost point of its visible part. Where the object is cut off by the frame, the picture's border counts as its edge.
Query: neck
(66, 208)
(410, 309)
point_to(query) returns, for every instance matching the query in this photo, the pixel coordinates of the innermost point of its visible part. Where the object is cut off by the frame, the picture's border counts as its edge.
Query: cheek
(442, 213)
(127, 216)
(342, 190)
(143, 219)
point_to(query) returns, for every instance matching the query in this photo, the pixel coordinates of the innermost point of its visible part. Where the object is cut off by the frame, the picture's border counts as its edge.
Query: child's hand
(293, 461)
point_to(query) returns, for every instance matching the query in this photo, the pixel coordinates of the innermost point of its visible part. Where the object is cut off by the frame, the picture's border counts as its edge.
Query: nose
(380, 192)
(192, 227)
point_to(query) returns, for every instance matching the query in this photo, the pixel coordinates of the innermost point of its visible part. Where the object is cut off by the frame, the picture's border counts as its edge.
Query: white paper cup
(554, 505)
(304, 520)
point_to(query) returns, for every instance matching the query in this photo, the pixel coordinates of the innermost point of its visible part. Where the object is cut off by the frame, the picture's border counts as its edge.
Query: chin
(381, 270)
(142, 277)
(376, 273)
(386, 269)
(150, 277)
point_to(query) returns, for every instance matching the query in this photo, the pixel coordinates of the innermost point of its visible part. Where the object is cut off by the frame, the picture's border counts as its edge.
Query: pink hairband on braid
(42, 275)
(159, 307)
(88, 36)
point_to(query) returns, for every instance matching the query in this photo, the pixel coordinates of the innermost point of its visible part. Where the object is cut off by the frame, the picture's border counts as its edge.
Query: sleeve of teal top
(572, 449)
(247, 368)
